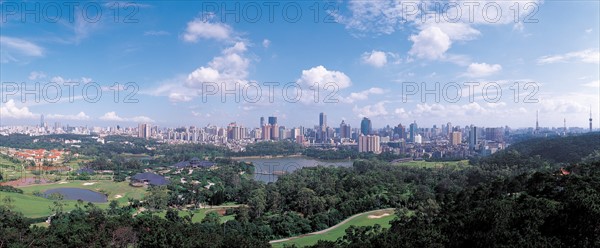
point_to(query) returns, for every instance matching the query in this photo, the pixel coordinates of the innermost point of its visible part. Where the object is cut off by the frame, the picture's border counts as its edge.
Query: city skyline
(167, 60)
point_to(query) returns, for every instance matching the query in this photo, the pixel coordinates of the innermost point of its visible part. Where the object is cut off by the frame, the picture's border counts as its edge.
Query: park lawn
(425, 164)
(334, 234)
(113, 189)
(34, 207)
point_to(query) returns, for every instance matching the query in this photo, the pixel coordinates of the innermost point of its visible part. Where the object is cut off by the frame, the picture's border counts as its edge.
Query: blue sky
(363, 55)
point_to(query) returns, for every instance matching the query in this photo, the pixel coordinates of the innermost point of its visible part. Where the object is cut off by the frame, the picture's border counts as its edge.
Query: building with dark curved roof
(148, 178)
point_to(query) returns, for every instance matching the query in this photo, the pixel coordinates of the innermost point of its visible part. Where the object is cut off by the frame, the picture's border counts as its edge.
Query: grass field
(424, 164)
(34, 206)
(340, 231)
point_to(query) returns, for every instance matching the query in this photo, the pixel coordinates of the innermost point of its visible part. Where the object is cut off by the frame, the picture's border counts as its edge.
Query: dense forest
(520, 197)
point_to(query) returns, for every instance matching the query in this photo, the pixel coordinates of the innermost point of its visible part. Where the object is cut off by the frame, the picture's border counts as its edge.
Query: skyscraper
(456, 138)
(262, 121)
(322, 120)
(143, 131)
(537, 124)
(369, 143)
(413, 130)
(400, 131)
(365, 126)
(322, 134)
(43, 124)
(472, 137)
(345, 131)
(272, 120)
(590, 118)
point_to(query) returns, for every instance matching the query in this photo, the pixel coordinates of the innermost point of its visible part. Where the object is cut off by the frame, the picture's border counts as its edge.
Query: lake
(85, 195)
(269, 169)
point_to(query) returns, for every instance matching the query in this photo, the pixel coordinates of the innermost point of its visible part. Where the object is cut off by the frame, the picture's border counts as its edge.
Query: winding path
(330, 228)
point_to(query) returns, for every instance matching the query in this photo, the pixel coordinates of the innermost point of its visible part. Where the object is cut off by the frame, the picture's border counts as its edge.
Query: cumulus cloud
(322, 76)
(78, 117)
(585, 56)
(363, 95)
(204, 29)
(11, 110)
(430, 43)
(230, 67)
(375, 58)
(482, 69)
(374, 110)
(112, 116)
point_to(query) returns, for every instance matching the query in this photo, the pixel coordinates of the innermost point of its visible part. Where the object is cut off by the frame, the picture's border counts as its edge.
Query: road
(331, 228)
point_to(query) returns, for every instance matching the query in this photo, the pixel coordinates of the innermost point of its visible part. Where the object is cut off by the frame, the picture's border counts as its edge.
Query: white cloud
(112, 116)
(363, 95)
(231, 67)
(78, 117)
(13, 48)
(375, 58)
(35, 75)
(585, 56)
(374, 110)
(593, 84)
(10, 110)
(322, 76)
(430, 43)
(482, 69)
(266, 43)
(204, 29)
(435, 38)
(589, 30)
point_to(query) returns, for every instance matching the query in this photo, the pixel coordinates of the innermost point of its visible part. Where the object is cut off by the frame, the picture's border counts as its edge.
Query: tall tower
(590, 118)
(537, 124)
(43, 124)
(565, 125)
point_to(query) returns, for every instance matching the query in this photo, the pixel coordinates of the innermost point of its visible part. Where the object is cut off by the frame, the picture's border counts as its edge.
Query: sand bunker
(86, 184)
(372, 216)
(62, 182)
(118, 196)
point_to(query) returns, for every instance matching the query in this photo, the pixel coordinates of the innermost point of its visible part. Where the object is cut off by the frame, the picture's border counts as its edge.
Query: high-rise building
(322, 120)
(43, 124)
(322, 134)
(144, 131)
(400, 131)
(266, 132)
(262, 121)
(345, 130)
(537, 124)
(449, 130)
(413, 130)
(494, 134)
(272, 120)
(366, 126)
(369, 143)
(590, 119)
(456, 138)
(473, 137)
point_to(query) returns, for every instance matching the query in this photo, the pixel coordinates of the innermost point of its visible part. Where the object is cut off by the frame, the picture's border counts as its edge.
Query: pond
(269, 169)
(85, 195)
